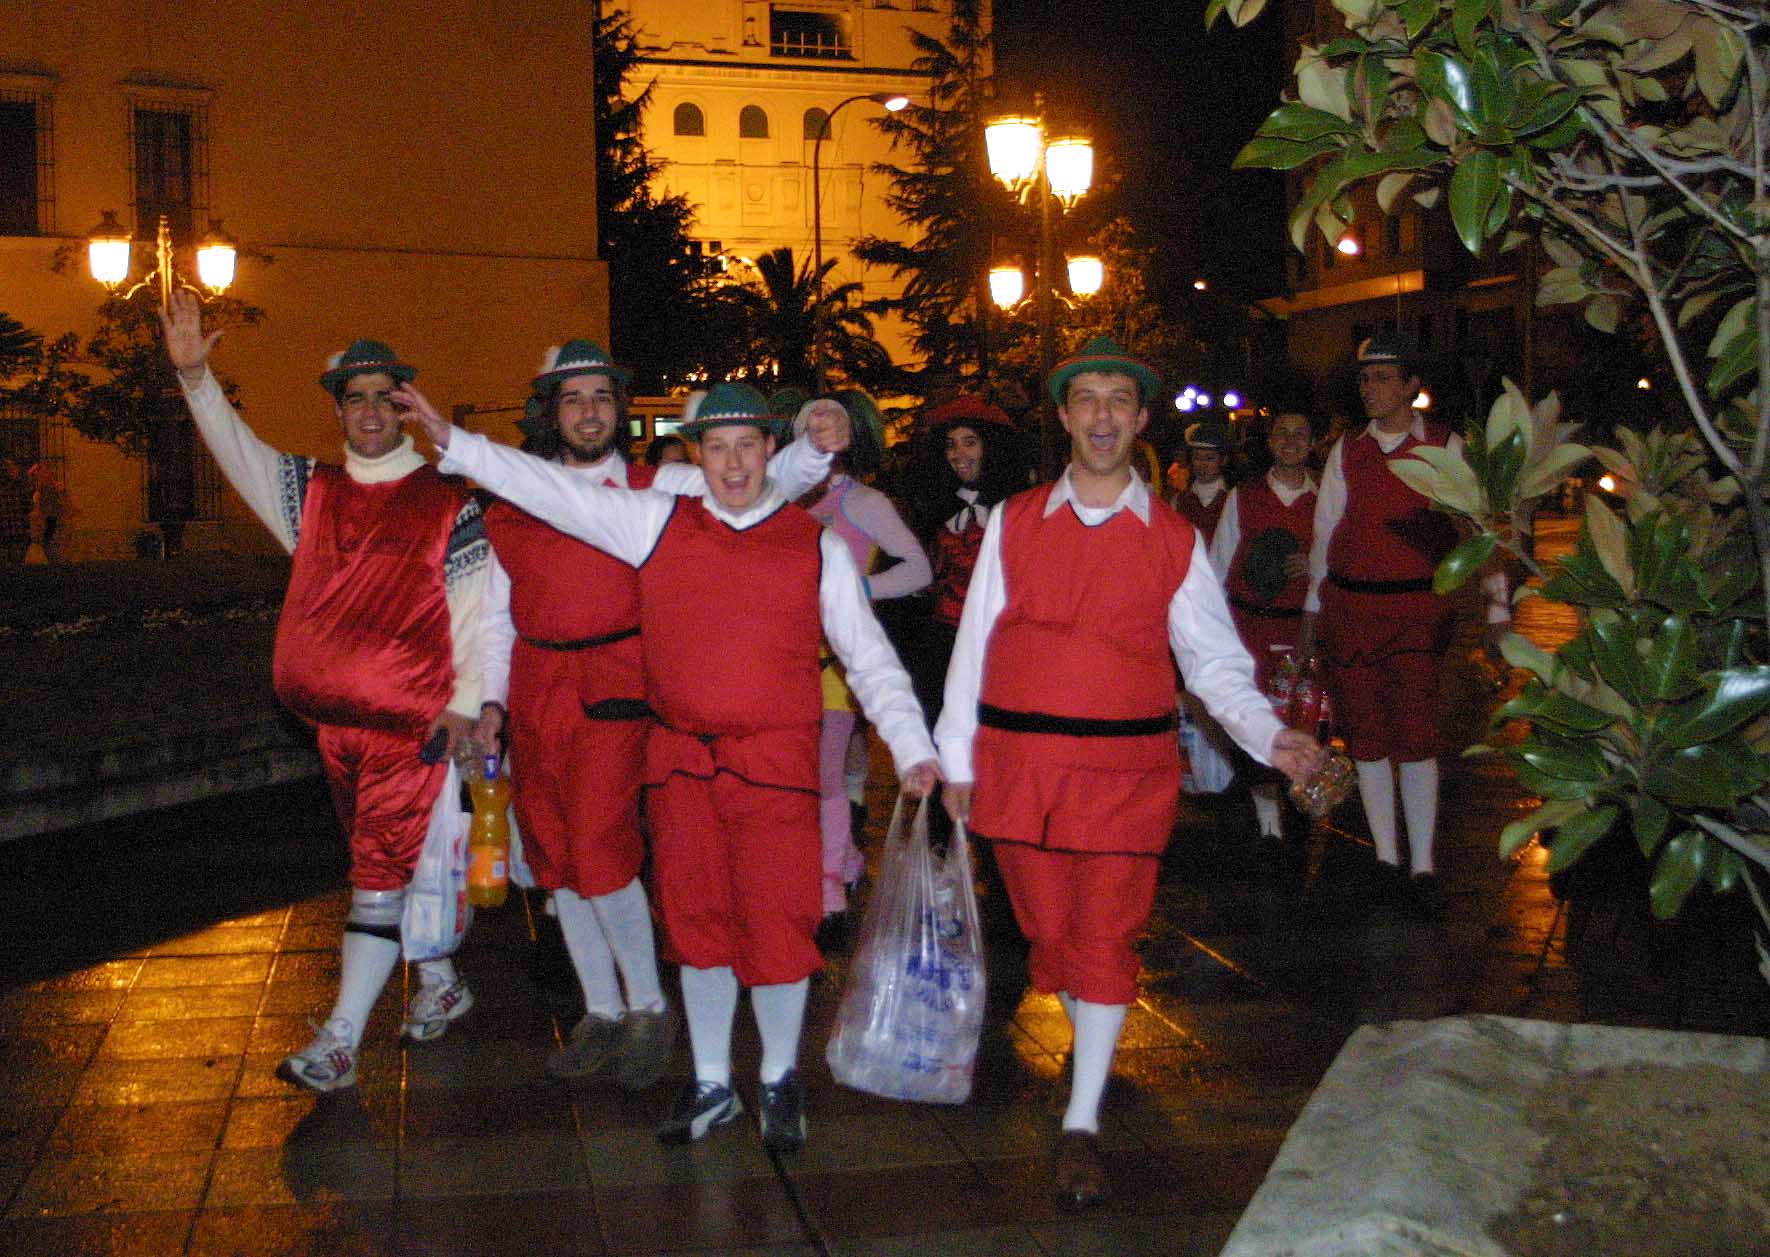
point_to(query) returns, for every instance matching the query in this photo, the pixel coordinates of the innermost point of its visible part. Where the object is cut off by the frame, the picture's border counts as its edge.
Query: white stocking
(625, 918)
(780, 1013)
(591, 957)
(709, 1001)
(1419, 803)
(1097, 1038)
(1266, 811)
(1376, 790)
(365, 963)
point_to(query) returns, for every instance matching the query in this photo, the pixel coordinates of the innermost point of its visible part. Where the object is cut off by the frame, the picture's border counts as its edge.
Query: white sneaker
(434, 1007)
(326, 1064)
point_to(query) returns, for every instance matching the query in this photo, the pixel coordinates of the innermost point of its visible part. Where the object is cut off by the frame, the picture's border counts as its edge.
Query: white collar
(399, 462)
(1135, 497)
(759, 510)
(1389, 440)
(1284, 492)
(611, 466)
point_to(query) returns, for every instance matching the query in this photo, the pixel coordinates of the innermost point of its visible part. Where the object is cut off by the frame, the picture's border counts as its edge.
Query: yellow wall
(754, 195)
(421, 173)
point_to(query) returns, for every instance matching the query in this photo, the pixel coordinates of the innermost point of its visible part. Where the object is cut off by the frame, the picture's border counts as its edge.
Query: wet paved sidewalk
(156, 972)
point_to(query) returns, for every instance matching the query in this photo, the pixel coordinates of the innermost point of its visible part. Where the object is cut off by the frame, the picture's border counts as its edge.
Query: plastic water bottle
(488, 842)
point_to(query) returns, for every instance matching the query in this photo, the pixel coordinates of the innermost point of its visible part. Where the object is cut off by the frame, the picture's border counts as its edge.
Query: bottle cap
(491, 767)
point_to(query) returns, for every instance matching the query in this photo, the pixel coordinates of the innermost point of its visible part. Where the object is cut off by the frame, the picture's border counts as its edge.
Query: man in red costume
(377, 648)
(1382, 631)
(562, 649)
(1057, 737)
(734, 594)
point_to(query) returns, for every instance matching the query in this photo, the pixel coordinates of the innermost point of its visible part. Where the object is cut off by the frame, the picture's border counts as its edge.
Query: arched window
(815, 122)
(752, 123)
(689, 120)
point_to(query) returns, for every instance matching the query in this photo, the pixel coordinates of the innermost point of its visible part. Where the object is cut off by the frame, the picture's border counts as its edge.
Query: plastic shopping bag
(521, 875)
(436, 914)
(1207, 768)
(912, 1010)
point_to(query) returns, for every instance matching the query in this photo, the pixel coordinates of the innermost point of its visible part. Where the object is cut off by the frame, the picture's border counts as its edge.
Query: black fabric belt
(1074, 726)
(583, 643)
(1266, 613)
(1421, 586)
(619, 709)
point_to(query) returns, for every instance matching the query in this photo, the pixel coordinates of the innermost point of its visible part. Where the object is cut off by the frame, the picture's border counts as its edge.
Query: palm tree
(777, 307)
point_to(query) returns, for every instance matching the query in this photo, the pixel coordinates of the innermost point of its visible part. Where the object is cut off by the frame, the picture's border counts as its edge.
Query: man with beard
(562, 650)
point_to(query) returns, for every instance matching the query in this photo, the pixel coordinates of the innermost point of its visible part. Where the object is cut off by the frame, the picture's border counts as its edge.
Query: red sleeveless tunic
(1264, 624)
(955, 556)
(364, 638)
(1202, 517)
(1075, 744)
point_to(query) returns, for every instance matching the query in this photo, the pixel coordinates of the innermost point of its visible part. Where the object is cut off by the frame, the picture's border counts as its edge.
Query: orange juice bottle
(488, 842)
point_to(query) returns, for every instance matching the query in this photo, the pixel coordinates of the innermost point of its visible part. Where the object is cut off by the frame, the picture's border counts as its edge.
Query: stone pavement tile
(622, 1160)
(901, 1200)
(120, 1129)
(108, 975)
(605, 1109)
(334, 1228)
(356, 1115)
(1116, 1235)
(43, 1064)
(162, 971)
(302, 1173)
(160, 1081)
(158, 1234)
(304, 968)
(1263, 1032)
(466, 1057)
(906, 1136)
(982, 1241)
(559, 1224)
(1192, 1111)
(222, 940)
(24, 1131)
(153, 1040)
(1017, 1131)
(22, 1008)
(328, 909)
(180, 1003)
(432, 1113)
(1182, 1181)
(723, 1215)
(511, 1163)
(68, 1184)
(311, 936)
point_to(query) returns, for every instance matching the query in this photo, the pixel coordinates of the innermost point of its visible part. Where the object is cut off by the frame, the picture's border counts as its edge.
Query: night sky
(1168, 106)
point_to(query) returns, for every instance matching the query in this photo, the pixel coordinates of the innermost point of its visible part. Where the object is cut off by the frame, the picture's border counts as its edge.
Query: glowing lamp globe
(215, 258)
(1087, 276)
(1006, 285)
(107, 251)
(1013, 148)
(1069, 165)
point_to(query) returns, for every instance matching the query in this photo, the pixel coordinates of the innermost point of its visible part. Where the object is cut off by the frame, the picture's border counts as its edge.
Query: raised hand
(181, 327)
(829, 429)
(414, 405)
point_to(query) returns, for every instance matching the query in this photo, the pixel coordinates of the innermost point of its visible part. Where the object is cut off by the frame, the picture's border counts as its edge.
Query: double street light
(892, 101)
(1062, 168)
(108, 249)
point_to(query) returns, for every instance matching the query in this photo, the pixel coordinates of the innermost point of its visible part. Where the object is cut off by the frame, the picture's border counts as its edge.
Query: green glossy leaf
(1693, 776)
(1555, 708)
(1446, 78)
(1417, 15)
(1574, 838)
(1561, 135)
(1267, 153)
(1463, 562)
(1547, 816)
(1735, 321)
(1467, 15)
(1740, 694)
(1738, 360)
(1543, 475)
(1494, 97)
(1296, 121)
(1571, 759)
(1652, 818)
(1682, 862)
(1610, 543)
(1355, 166)
(1473, 185)
(1546, 113)
(1619, 661)
(1504, 462)
(1671, 660)
(1725, 870)
(1519, 651)
(1548, 786)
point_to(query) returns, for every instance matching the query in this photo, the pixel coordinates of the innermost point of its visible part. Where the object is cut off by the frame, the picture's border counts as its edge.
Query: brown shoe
(642, 1053)
(1081, 1179)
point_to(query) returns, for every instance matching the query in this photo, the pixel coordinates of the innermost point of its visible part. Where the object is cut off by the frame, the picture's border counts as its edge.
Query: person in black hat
(735, 592)
(1207, 487)
(1058, 733)
(377, 648)
(1372, 616)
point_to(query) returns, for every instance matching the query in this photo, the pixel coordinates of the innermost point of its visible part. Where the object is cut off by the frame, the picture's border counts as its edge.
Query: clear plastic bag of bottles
(912, 1009)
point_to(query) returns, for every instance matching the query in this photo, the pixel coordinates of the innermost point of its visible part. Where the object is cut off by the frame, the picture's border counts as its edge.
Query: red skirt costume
(364, 652)
(1266, 622)
(578, 717)
(1202, 517)
(730, 631)
(1383, 631)
(1077, 778)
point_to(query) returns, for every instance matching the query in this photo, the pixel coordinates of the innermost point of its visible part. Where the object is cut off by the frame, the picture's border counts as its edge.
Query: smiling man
(377, 648)
(1058, 732)
(563, 670)
(734, 594)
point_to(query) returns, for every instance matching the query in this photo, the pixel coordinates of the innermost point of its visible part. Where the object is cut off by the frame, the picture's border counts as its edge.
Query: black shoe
(1080, 1177)
(783, 1114)
(702, 1108)
(1425, 896)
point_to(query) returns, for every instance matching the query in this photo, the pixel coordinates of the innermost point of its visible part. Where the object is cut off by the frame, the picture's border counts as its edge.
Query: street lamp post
(1022, 159)
(108, 248)
(892, 101)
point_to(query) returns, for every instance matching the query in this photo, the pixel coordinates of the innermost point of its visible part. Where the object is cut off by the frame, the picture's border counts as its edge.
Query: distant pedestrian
(668, 448)
(377, 648)
(15, 513)
(48, 506)
(1207, 486)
